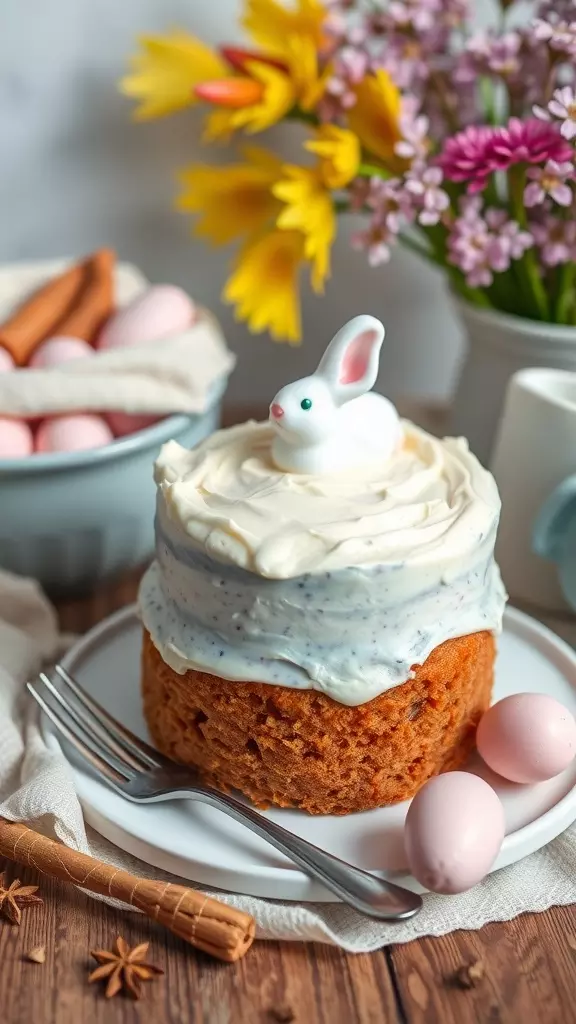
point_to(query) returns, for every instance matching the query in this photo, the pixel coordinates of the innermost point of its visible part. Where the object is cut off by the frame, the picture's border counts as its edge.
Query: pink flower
(531, 141)
(353, 63)
(349, 67)
(465, 156)
(418, 14)
(483, 245)
(405, 59)
(563, 106)
(556, 239)
(499, 54)
(376, 240)
(359, 192)
(392, 207)
(389, 199)
(549, 180)
(513, 238)
(424, 184)
(474, 154)
(559, 34)
(414, 128)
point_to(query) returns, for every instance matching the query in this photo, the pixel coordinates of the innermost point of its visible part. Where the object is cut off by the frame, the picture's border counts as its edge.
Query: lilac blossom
(550, 180)
(559, 34)
(555, 9)
(359, 194)
(481, 246)
(497, 54)
(377, 238)
(512, 236)
(417, 14)
(555, 239)
(414, 128)
(562, 106)
(350, 65)
(424, 185)
(390, 198)
(406, 61)
(392, 207)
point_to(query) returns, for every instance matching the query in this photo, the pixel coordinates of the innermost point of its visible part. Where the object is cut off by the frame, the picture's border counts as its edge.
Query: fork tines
(106, 744)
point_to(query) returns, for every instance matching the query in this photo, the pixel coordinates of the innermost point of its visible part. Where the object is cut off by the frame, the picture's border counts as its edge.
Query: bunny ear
(350, 363)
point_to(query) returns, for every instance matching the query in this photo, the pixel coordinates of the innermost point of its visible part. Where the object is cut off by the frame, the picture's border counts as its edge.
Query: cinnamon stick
(200, 920)
(95, 303)
(36, 318)
(75, 303)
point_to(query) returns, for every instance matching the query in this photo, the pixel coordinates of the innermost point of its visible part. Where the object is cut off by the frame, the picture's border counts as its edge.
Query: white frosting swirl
(429, 503)
(341, 582)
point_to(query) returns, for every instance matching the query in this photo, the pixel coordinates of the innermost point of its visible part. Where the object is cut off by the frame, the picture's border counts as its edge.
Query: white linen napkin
(36, 786)
(173, 374)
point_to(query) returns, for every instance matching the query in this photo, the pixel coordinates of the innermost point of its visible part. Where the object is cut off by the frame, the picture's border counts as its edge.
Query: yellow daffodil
(232, 201)
(272, 25)
(165, 74)
(286, 75)
(263, 286)
(339, 152)
(253, 104)
(375, 115)
(266, 93)
(255, 89)
(218, 125)
(309, 83)
(309, 209)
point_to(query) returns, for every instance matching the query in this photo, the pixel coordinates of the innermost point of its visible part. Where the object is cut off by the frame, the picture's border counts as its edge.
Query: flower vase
(499, 344)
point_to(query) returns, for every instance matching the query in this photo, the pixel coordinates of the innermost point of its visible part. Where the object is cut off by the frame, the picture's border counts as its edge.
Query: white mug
(533, 461)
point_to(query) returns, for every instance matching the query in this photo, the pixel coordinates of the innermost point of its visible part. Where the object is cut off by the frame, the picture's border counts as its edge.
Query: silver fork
(141, 774)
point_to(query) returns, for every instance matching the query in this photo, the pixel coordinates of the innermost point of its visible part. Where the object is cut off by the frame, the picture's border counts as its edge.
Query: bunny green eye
(306, 404)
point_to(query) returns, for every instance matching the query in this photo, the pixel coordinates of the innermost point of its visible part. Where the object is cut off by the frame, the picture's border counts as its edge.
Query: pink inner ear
(356, 358)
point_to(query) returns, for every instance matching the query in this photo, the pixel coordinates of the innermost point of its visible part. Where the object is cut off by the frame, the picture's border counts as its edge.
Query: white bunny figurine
(327, 422)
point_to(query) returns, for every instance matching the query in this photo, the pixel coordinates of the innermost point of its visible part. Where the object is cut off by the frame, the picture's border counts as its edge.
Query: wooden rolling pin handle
(198, 919)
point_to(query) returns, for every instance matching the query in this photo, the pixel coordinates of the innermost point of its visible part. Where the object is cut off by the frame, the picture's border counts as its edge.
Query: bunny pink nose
(276, 410)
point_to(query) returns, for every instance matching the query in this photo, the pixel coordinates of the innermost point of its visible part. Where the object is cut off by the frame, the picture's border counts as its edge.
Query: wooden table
(530, 963)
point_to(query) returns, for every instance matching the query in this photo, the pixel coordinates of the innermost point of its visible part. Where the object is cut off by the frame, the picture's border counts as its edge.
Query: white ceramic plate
(204, 845)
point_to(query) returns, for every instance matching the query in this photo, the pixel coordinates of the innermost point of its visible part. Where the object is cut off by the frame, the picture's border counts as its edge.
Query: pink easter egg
(527, 737)
(59, 350)
(453, 832)
(122, 424)
(161, 310)
(16, 440)
(73, 433)
(6, 361)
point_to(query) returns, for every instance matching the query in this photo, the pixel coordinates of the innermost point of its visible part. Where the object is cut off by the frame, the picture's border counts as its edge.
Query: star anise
(124, 968)
(16, 896)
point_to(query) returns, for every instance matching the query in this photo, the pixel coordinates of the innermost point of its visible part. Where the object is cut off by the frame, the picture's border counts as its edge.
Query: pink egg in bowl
(16, 438)
(73, 433)
(122, 423)
(161, 310)
(527, 737)
(89, 511)
(58, 350)
(6, 361)
(74, 516)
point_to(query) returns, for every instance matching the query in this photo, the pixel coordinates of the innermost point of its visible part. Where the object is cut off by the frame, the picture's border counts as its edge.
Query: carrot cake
(325, 642)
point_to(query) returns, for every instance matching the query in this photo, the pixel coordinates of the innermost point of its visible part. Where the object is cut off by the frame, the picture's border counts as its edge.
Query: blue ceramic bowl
(73, 519)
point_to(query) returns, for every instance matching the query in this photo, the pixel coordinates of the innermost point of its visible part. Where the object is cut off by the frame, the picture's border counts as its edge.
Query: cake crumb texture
(300, 748)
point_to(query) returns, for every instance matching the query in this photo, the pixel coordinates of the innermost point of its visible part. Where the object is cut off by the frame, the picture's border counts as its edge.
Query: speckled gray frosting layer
(351, 634)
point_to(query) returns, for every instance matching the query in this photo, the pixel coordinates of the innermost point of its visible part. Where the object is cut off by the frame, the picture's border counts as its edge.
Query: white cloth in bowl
(36, 786)
(176, 374)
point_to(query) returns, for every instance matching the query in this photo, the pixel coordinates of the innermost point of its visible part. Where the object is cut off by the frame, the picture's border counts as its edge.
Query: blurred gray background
(77, 173)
